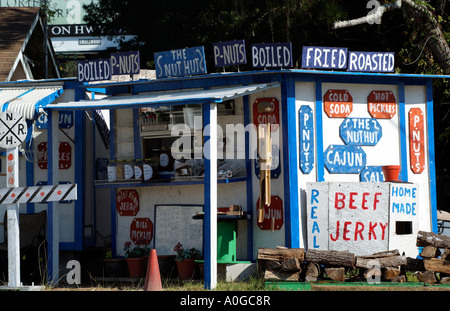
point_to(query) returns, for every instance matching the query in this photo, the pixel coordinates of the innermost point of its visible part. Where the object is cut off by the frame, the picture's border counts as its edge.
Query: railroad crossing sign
(38, 194)
(13, 129)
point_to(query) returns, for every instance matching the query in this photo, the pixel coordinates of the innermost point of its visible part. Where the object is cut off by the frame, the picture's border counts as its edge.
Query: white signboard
(13, 129)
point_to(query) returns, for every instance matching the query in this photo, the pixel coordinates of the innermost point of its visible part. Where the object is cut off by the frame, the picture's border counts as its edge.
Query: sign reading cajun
(273, 214)
(338, 103)
(416, 141)
(141, 231)
(127, 202)
(382, 104)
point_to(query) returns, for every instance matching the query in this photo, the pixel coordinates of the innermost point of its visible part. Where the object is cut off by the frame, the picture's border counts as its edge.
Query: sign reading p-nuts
(13, 129)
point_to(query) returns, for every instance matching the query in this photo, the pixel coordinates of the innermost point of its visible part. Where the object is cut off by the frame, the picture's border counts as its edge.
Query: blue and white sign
(180, 63)
(125, 63)
(272, 55)
(371, 174)
(94, 70)
(306, 135)
(360, 131)
(65, 120)
(371, 61)
(344, 159)
(229, 53)
(324, 57)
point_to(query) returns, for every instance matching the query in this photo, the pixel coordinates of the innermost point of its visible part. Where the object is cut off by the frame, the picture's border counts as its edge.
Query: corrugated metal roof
(27, 100)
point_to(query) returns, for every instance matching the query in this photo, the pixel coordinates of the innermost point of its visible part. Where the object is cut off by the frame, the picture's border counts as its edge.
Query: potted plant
(136, 259)
(185, 260)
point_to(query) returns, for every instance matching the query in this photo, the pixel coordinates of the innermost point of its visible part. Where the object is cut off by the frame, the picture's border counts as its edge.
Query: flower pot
(186, 269)
(136, 267)
(114, 267)
(391, 172)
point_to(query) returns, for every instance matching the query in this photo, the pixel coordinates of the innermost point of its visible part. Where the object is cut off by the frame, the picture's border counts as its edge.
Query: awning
(174, 97)
(26, 100)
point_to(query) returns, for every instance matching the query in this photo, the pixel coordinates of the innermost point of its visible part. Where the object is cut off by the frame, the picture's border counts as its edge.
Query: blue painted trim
(5, 105)
(137, 135)
(80, 171)
(431, 156)
(166, 183)
(50, 205)
(290, 161)
(29, 168)
(402, 128)
(319, 132)
(112, 155)
(249, 179)
(207, 207)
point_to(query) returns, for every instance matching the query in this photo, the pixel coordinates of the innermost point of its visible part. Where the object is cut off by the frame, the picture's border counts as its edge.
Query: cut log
(280, 275)
(336, 274)
(437, 265)
(446, 254)
(281, 254)
(394, 252)
(400, 279)
(445, 280)
(332, 258)
(383, 262)
(432, 239)
(427, 277)
(292, 264)
(390, 273)
(312, 272)
(429, 252)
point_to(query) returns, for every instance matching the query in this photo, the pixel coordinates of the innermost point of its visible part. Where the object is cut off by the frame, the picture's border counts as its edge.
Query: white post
(12, 175)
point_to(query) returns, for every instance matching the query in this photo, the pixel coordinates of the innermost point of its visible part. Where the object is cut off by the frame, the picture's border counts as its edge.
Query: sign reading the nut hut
(141, 231)
(338, 103)
(127, 202)
(382, 104)
(416, 140)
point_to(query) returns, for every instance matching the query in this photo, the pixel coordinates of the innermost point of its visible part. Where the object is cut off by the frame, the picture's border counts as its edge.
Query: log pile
(299, 265)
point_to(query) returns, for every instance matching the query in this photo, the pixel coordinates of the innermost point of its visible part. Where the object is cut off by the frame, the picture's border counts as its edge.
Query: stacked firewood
(297, 265)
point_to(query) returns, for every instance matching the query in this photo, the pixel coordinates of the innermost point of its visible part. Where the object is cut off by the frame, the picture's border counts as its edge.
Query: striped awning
(26, 100)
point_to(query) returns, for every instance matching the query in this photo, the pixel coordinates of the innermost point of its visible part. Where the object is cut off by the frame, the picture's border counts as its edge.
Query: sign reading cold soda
(338, 103)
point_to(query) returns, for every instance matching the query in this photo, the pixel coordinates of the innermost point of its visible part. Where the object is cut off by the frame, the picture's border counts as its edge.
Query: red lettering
(339, 200)
(346, 230)
(383, 228)
(372, 231)
(358, 230)
(337, 233)
(375, 200)
(363, 205)
(350, 205)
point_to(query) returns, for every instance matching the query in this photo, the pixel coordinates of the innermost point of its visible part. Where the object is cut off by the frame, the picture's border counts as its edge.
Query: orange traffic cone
(153, 278)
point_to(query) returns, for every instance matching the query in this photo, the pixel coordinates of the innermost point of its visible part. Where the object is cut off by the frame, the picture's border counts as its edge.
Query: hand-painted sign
(127, 202)
(65, 155)
(360, 131)
(94, 70)
(141, 231)
(180, 63)
(306, 128)
(317, 215)
(38, 194)
(338, 103)
(372, 174)
(272, 55)
(229, 53)
(273, 214)
(371, 61)
(416, 140)
(13, 129)
(344, 159)
(65, 120)
(382, 104)
(324, 57)
(266, 110)
(125, 63)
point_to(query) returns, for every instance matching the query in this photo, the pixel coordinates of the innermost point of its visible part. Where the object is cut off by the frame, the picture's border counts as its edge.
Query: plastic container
(112, 171)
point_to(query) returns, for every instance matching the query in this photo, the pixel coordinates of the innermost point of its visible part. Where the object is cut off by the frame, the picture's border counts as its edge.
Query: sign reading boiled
(360, 131)
(180, 63)
(229, 53)
(94, 70)
(272, 55)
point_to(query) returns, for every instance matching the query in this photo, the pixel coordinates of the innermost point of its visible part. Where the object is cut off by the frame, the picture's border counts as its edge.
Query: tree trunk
(332, 258)
(383, 262)
(336, 274)
(281, 254)
(312, 272)
(437, 265)
(432, 239)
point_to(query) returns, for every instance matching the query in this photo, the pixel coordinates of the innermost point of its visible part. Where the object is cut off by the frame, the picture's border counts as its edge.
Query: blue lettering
(313, 212)
(315, 243)
(314, 195)
(315, 228)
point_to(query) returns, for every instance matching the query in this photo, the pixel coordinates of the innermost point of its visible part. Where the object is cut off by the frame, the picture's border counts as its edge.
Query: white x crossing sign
(13, 129)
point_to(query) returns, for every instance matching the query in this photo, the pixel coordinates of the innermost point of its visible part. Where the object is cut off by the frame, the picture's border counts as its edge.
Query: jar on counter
(120, 170)
(138, 166)
(128, 170)
(148, 171)
(112, 171)
(166, 160)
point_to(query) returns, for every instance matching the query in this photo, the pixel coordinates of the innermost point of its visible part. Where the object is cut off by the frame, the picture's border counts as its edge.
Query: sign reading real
(340, 58)
(180, 63)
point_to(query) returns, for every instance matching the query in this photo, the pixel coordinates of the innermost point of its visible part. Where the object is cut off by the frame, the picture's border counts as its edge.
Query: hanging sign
(382, 104)
(127, 202)
(180, 63)
(273, 214)
(416, 140)
(360, 131)
(338, 103)
(13, 129)
(272, 55)
(344, 159)
(141, 231)
(65, 155)
(324, 57)
(266, 110)
(229, 53)
(125, 63)
(306, 128)
(65, 120)
(372, 174)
